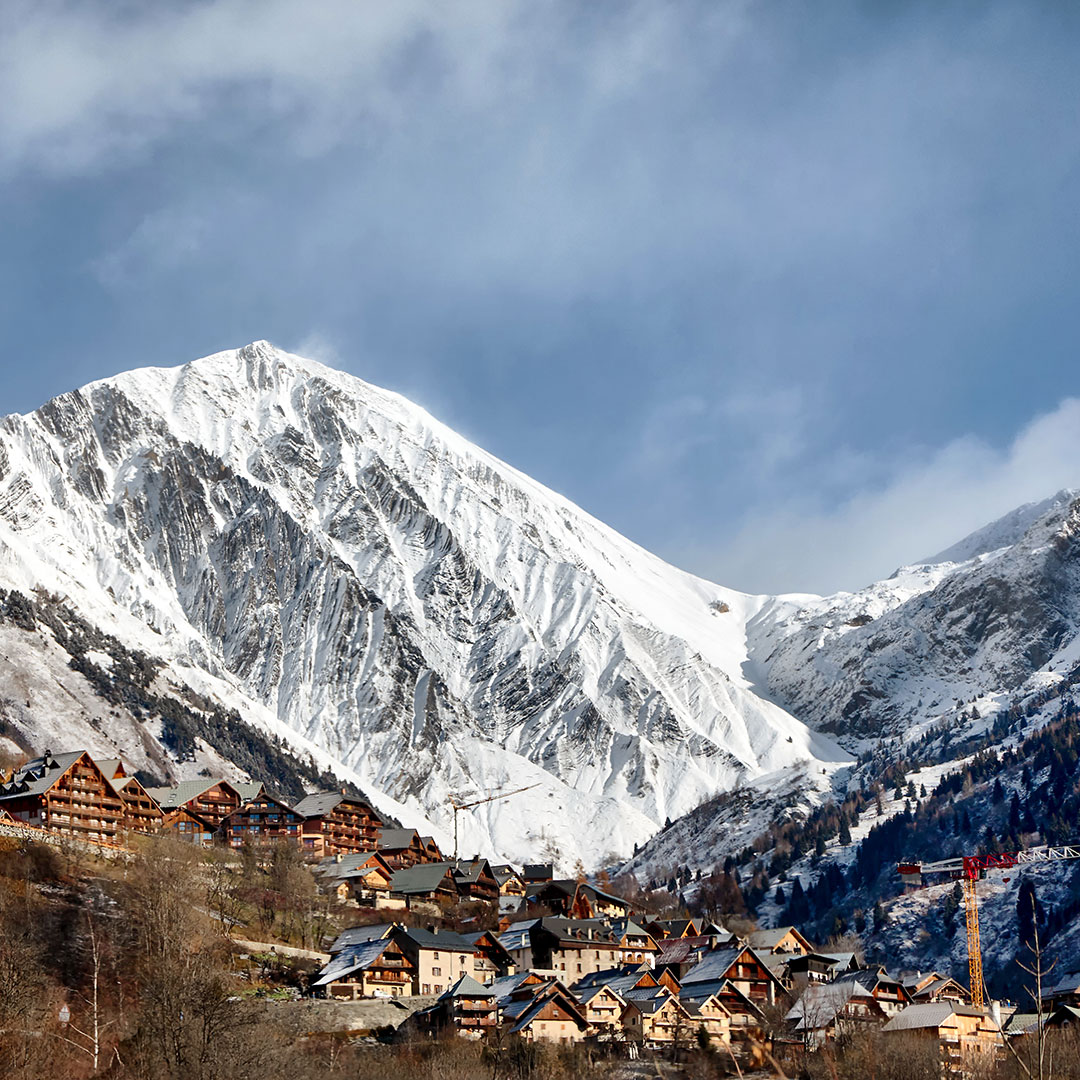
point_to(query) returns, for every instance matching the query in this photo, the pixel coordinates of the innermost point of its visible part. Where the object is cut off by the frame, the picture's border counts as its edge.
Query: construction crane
(479, 802)
(968, 869)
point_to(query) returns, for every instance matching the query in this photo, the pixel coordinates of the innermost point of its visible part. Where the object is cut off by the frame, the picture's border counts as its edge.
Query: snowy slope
(349, 569)
(917, 648)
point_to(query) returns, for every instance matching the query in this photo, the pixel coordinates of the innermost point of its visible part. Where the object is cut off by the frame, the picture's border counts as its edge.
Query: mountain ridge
(432, 619)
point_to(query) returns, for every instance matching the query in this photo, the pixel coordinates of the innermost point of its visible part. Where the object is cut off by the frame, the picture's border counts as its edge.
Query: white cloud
(925, 506)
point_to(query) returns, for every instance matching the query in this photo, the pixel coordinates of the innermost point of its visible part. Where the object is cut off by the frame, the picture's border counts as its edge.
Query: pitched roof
(440, 939)
(713, 965)
(171, 797)
(469, 871)
(678, 950)
(36, 778)
(930, 1014)
(350, 960)
(468, 987)
(503, 987)
(109, 766)
(420, 879)
(357, 935)
(518, 936)
(323, 802)
(248, 790)
(397, 839)
(820, 1002)
(761, 940)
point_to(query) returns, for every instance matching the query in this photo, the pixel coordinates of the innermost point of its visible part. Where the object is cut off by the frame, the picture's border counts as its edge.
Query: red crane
(968, 869)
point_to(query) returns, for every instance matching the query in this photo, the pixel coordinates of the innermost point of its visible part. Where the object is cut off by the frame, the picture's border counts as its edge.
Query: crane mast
(968, 869)
(480, 802)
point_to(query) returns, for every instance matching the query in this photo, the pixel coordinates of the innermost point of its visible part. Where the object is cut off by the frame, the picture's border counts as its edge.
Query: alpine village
(218, 930)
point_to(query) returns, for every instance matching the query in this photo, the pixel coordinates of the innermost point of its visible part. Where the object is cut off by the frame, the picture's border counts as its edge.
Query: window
(436, 971)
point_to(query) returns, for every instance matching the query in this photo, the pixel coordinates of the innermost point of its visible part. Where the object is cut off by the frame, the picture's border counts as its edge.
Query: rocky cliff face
(353, 575)
(991, 618)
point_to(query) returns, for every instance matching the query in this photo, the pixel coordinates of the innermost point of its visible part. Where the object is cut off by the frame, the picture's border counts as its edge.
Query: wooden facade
(67, 794)
(335, 823)
(264, 820)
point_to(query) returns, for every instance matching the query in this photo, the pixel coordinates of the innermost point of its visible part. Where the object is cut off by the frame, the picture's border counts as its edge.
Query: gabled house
(261, 820)
(577, 900)
(510, 882)
(141, 812)
(782, 939)
(967, 1038)
(926, 987)
(475, 881)
(431, 883)
(712, 1015)
(335, 822)
(359, 935)
(828, 1011)
(402, 848)
(491, 960)
(537, 873)
(887, 991)
(603, 1008)
(746, 1018)
(1063, 991)
(468, 1007)
(66, 793)
(744, 969)
(209, 801)
(185, 825)
(657, 1021)
(374, 968)
(364, 878)
(575, 947)
(544, 1012)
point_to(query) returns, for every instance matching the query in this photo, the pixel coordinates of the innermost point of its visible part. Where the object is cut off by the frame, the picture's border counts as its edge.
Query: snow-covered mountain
(994, 616)
(396, 604)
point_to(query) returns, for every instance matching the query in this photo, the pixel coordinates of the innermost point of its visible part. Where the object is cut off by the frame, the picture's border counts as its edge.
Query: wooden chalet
(712, 1015)
(468, 1007)
(377, 967)
(402, 848)
(209, 801)
(66, 793)
(425, 883)
(335, 822)
(187, 826)
(263, 820)
(576, 947)
(510, 882)
(925, 987)
(603, 1008)
(744, 969)
(491, 961)
(537, 874)
(545, 1012)
(967, 1039)
(782, 939)
(364, 878)
(475, 881)
(826, 1012)
(141, 812)
(577, 900)
(657, 1021)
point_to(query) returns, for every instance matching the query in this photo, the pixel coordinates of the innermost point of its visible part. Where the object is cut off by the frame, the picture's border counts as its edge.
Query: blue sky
(788, 293)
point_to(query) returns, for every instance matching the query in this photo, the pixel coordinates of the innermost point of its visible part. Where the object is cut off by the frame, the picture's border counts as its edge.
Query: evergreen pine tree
(845, 830)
